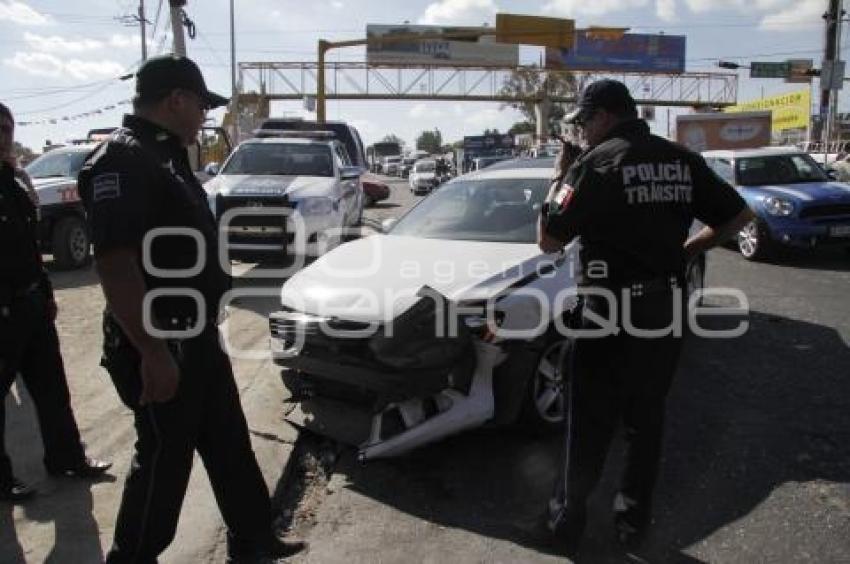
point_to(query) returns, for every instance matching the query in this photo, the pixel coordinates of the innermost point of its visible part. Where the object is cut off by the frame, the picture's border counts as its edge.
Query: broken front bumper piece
(386, 393)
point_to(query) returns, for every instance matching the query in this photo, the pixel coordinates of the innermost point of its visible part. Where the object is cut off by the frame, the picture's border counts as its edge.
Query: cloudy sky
(61, 58)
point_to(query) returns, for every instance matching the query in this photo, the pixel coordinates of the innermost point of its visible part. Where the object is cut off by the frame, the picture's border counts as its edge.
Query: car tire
(545, 403)
(753, 241)
(70, 243)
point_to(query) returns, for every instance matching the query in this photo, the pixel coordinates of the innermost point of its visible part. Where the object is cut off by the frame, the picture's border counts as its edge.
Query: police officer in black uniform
(169, 368)
(28, 340)
(630, 197)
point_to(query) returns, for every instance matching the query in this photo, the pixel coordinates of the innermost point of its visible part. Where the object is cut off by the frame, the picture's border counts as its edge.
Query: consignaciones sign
(788, 111)
(476, 51)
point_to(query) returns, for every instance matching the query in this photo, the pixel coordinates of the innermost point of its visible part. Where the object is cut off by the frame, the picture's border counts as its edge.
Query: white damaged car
(286, 195)
(386, 341)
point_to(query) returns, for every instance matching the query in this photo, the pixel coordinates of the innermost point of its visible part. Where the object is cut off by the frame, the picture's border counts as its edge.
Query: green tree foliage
(393, 138)
(521, 127)
(530, 84)
(431, 141)
(24, 155)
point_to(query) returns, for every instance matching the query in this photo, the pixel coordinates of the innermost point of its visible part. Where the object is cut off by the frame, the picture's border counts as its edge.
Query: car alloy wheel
(753, 241)
(548, 382)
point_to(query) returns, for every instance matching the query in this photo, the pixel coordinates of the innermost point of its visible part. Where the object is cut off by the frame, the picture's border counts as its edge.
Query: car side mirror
(387, 224)
(212, 169)
(830, 173)
(350, 172)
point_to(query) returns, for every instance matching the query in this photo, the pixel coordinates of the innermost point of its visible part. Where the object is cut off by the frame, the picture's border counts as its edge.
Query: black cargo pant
(622, 378)
(205, 415)
(29, 345)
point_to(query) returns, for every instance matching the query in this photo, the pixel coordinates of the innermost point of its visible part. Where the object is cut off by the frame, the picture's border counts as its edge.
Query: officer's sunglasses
(582, 120)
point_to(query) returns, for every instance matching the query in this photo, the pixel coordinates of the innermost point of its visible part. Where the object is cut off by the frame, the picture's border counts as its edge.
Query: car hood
(378, 277)
(295, 187)
(53, 182)
(806, 191)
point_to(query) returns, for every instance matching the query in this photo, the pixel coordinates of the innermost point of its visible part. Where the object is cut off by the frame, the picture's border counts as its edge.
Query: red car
(374, 189)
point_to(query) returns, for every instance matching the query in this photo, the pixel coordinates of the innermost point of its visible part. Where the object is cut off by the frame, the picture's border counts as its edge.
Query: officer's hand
(52, 310)
(160, 375)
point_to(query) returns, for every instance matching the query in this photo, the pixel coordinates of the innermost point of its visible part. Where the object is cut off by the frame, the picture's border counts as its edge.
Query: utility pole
(234, 96)
(831, 54)
(142, 26)
(177, 26)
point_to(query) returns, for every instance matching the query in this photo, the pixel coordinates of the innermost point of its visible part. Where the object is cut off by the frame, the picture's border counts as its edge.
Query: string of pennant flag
(75, 117)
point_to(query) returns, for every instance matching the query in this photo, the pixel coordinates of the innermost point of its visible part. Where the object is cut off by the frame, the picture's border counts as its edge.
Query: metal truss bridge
(362, 81)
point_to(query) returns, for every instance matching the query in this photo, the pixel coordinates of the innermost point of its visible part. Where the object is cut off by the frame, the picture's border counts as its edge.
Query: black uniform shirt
(631, 199)
(139, 180)
(20, 257)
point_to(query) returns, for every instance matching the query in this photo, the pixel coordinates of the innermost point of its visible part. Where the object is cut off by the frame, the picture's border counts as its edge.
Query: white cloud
(21, 14)
(124, 41)
(700, 6)
(422, 110)
(572, 8)
(666, 10)
(468, 12)
(45, 64)
(485, 118)
(801, 13)
(57, 44)
(337, 5)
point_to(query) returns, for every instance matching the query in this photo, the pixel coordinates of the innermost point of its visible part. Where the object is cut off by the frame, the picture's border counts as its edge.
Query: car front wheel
(754, 241)
(545, 402)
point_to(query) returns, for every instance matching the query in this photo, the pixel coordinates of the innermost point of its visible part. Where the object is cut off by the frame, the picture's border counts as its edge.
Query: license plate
(839, 231)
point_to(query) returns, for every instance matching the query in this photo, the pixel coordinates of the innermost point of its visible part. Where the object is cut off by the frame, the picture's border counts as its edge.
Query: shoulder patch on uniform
(106, 187)
(564, 195)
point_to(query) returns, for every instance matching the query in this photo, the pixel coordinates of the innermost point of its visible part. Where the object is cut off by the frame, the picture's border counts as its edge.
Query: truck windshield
(57, 163)
(287, 159)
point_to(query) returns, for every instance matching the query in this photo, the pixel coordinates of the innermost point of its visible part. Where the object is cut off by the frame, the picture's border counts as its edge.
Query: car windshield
(426, 166)
(499, 210)
(57, 163)
(777, 169)
(289, 159)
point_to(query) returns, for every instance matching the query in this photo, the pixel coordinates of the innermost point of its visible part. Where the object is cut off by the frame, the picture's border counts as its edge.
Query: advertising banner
(479, 52)
(789, 111)
(491, 142)
(633, 52)
(709, 131)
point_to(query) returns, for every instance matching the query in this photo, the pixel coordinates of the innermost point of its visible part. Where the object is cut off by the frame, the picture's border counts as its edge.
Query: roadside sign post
(770, 70)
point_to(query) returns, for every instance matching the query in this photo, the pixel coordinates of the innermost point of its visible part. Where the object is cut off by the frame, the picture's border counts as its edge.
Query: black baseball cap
(158, 76)
(606, 94)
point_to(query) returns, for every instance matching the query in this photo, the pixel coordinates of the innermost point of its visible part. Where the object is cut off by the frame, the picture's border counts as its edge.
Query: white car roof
(508, 173)
(759, 152)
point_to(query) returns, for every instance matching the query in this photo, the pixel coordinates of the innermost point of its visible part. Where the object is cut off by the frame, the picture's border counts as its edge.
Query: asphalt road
(757, 465)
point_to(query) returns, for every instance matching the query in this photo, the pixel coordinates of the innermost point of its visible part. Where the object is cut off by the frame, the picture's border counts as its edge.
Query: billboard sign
(479, 52)
(789, 111)
(486, 143)
(709, 131)
(633, 52)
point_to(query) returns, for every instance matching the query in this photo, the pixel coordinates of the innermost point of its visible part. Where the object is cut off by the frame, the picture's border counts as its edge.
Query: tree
(521, 127)
(431, 141)
(529, 83)
(393, 138)
(493, 131)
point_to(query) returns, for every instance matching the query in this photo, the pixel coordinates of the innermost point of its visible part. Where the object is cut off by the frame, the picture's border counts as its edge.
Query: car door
(349, 188)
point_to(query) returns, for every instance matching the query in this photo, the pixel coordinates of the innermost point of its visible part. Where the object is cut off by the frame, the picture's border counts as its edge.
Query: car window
(723, 168)
(281, 159)
(500, 210)
(777, 169)
(342, 156)
(57, 163)
(427, 166)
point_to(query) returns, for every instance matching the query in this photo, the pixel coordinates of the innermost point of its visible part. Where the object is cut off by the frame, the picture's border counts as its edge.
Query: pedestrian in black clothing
(169, 367)
(29, 344)
(630, 197)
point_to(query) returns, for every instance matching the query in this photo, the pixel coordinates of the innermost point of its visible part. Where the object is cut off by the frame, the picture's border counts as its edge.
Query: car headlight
(315, 206)
(778, 206)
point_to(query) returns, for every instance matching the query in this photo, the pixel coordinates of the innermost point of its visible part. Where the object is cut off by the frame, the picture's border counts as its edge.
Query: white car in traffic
(286, 195)
(423, 176)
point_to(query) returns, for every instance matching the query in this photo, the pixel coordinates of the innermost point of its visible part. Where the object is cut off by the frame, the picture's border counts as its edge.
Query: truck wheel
(70, 243)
